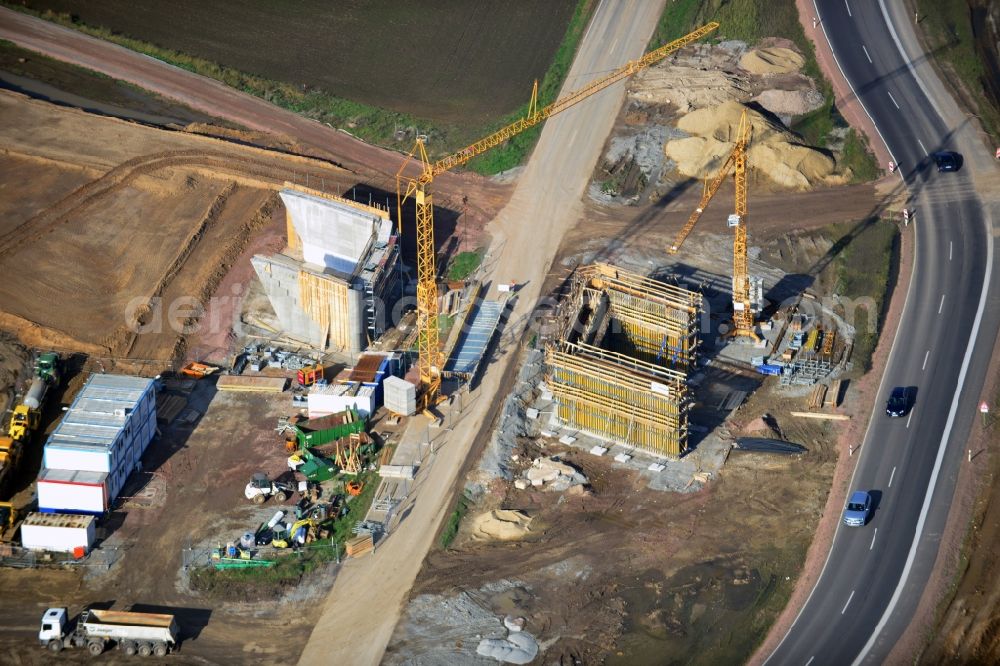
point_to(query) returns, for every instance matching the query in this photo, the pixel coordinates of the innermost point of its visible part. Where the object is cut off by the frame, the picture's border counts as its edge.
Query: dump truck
(134, 633)
(27, 414)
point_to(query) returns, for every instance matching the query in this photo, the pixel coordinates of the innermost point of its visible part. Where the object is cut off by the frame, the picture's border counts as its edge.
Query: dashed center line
(926, 356)
(942, 304)
(908, 418)
(866, 53)
(922, 146)
(950, 248)
(894, 100)
(891, 476)
(807, 663)
(873, 539)
(848, 603)
(848, 9)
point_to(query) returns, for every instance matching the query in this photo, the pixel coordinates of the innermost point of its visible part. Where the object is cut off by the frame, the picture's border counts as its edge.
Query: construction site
(253, 376)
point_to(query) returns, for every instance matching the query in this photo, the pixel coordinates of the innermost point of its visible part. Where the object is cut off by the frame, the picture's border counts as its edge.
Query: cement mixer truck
(27, 413)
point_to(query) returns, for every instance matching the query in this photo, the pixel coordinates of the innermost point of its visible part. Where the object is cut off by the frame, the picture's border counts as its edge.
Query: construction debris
(501, 525)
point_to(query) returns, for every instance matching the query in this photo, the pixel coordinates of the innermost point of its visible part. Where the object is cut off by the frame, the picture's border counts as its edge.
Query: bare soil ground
(197, 472)
(626, 574)
(166, 214)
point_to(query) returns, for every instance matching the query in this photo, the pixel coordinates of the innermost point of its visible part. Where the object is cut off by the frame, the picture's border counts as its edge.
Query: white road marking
(807, 663)
(950, 248)
(908, 419)
(848, 603)
(866, 53)
(893, 100)
(891, 476)
(848, 9)
(922, 146)
(946, 435)
(942, 304)
(613, 45)
(926, 355)
(873, 539)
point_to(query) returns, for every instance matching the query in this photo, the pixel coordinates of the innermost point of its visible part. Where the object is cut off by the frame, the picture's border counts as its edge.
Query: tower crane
(430, 359)
(736, 163)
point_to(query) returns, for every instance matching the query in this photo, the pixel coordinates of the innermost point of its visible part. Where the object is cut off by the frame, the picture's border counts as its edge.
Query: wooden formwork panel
(327, 302)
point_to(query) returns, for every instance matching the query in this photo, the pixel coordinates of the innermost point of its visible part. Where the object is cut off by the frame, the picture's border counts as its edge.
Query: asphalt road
(874, 576)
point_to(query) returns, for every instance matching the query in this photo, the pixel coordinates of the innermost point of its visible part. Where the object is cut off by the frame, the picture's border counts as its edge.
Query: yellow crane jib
(430, 360)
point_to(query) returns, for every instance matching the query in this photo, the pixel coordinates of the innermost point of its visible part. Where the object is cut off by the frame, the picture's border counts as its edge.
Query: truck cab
(22, 422)
(53, 626)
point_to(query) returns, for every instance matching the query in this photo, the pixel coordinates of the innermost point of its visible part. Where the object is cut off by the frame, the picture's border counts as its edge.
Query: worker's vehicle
(134, 633)
(947, 160)
(899, 402)
(27, 413)
(858, 508)
(261, 487)
(10, 458)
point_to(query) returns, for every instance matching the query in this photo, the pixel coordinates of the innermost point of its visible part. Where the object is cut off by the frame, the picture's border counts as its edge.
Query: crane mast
(430, 360)
(735, 164)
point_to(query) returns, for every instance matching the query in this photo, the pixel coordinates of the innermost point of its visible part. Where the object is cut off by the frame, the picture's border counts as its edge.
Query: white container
(60, 533)
(66, 491)
(77, 458)
(335, 398)
(400, 396)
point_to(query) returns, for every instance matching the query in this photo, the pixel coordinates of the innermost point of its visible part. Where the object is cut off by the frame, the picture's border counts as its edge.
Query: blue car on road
(858, 508)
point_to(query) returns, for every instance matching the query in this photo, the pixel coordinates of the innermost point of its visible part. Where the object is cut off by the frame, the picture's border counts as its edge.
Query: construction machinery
(430, 358)
(28, 412)
(135, 633)
(10, 458)
(261, 487)
(736, 164)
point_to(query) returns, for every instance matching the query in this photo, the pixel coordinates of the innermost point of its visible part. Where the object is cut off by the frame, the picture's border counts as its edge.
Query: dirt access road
(377, 165)
(365, 602)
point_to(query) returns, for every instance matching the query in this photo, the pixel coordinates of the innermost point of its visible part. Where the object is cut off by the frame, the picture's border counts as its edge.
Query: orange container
(79, 552)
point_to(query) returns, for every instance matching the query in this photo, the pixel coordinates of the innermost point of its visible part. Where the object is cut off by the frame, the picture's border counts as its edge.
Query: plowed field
(450, 61)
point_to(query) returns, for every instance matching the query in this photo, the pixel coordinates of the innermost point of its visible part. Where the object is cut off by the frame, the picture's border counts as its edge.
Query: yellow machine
(430, 360)
(736, 163)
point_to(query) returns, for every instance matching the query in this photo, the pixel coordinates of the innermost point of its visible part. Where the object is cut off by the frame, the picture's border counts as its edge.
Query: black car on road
(947, 160)
(900, 401)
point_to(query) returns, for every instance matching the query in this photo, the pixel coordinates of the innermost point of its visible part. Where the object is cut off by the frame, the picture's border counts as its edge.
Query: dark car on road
(947, 160)
(899, 402)
(857, 509)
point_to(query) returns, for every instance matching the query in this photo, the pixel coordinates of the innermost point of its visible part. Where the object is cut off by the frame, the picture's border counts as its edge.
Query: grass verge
(950, 29)
(864, 273)
(369, 123)
(465, 263)
(450, 530)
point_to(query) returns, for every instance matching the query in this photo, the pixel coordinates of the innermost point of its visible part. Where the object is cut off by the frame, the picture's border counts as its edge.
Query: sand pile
(501, 525)
(774, 151)
(790, 102)
(771, 60)
(688, 88)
